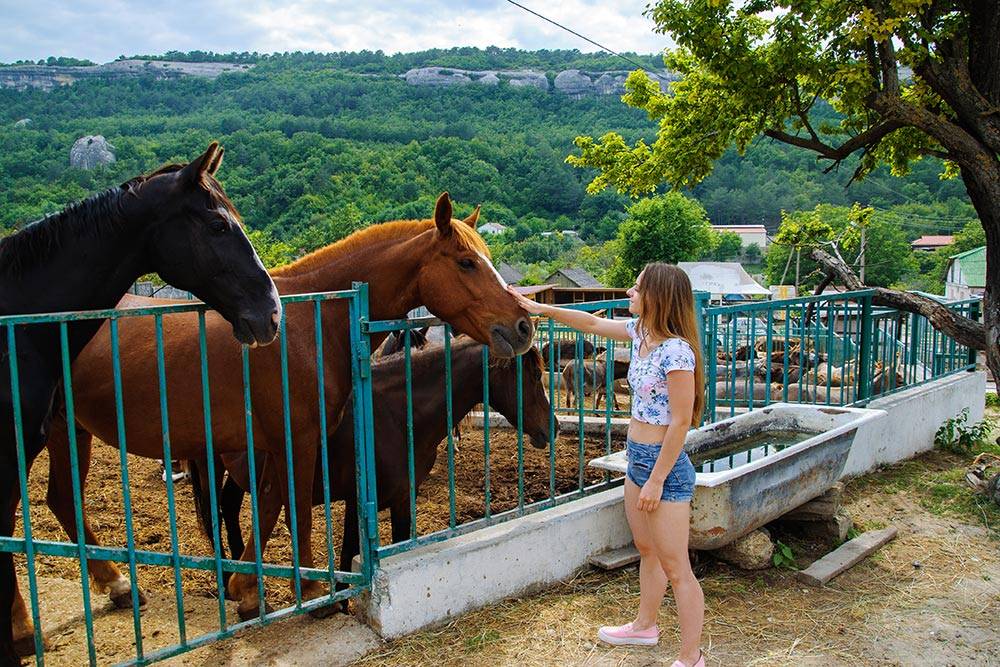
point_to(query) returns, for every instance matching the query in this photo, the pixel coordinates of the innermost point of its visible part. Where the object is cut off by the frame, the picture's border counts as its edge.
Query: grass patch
(936, 480)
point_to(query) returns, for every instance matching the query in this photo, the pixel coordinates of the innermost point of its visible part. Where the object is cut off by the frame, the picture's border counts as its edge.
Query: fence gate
(148, 521)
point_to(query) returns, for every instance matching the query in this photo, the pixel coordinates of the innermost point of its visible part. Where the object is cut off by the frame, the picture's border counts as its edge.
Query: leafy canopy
(762, 66)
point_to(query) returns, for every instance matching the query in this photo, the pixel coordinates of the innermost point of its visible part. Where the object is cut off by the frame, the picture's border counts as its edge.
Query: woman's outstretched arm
(577, 319)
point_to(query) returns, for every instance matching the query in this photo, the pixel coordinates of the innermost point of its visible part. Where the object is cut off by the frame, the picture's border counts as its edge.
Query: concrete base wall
(433, 584)
(914, 417)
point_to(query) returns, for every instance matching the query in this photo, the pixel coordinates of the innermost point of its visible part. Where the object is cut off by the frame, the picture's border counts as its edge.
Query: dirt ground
(60, 589)
(930, 597)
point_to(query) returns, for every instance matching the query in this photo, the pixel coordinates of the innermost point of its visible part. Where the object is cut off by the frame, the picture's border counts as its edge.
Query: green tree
(909, 78)
(726, 245)
(668, 228)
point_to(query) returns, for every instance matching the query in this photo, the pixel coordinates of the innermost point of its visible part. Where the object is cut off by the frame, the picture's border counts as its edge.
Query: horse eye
(466, 263)
(218, 226)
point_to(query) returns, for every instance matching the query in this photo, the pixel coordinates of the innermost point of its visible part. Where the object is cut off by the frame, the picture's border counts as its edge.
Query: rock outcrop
(47, 77)
(572, 82)
(449, 76)
(91, 151)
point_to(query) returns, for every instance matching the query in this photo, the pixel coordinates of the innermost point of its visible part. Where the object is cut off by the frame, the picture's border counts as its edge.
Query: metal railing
(131, 554)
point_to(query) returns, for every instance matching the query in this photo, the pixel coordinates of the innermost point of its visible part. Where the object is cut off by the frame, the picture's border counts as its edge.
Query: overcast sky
(101, 30)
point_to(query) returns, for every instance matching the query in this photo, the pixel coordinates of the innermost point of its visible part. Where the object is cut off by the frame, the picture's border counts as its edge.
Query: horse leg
(304, 473)
(60, 500)
(9, 497)
(243, 587)
(230, 504)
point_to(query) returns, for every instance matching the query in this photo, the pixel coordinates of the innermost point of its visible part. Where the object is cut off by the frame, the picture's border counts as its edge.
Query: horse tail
(198, 469)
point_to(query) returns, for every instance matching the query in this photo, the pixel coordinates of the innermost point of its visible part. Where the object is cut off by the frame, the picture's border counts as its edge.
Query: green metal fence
(829, 349)
(132, 553)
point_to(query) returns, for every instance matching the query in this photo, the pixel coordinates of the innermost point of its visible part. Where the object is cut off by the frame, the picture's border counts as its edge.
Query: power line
(571, 31)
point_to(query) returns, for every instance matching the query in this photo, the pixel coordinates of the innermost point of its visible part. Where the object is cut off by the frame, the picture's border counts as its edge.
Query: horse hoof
(123, 599)
(327, 612)
(25, 646)
(251, 612)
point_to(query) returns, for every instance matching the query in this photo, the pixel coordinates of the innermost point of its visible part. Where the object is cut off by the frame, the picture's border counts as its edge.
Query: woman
(667, 382)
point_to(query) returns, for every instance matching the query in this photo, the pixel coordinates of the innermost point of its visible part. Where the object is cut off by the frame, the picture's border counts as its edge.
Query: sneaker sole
(627, 641)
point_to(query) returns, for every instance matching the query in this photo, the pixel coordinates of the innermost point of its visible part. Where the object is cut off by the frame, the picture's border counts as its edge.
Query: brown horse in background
(430, 426)
(440, 263)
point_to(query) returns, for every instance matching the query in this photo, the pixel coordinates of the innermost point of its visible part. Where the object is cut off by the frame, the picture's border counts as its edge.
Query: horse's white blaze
(487, 262)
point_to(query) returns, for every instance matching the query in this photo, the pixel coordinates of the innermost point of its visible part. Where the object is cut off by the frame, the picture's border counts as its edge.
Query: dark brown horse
(441, 263)
(429, 429)
(177, 222)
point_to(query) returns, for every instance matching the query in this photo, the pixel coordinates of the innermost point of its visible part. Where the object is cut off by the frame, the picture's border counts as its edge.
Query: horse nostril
(276, 319)
(524, 327)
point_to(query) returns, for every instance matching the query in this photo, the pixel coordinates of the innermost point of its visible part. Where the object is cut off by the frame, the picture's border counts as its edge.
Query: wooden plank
(845, 556)
(612, 560)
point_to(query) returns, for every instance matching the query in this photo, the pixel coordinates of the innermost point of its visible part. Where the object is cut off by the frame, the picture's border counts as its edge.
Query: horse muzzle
(507, 342)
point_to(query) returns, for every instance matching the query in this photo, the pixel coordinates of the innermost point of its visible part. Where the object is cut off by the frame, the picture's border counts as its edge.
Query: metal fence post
(865, 351)
(364, 426)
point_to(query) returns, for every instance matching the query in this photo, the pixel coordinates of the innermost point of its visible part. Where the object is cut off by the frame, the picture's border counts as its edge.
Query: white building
(748, 233)
(491, 228)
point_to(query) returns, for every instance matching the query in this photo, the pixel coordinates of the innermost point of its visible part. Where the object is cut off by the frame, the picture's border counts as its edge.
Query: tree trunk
(983, 185)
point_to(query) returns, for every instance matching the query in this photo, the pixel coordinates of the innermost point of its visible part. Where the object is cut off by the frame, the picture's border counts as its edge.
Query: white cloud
(103, 29)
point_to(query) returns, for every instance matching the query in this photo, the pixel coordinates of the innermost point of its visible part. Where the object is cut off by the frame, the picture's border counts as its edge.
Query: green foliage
(992, 400)
(726, 246)
(784, 557)
(668, 228)
(888, 256)
(956, 435)
(314, 150)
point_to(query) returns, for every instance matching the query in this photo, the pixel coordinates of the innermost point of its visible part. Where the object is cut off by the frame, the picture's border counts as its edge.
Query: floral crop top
(648, 376)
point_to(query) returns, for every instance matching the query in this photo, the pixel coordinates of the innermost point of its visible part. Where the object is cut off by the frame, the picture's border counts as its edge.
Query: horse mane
(94, 216)
(375, 234)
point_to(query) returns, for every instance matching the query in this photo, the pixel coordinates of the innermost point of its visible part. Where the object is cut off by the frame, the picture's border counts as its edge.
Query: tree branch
(962, 329)
(869, 137)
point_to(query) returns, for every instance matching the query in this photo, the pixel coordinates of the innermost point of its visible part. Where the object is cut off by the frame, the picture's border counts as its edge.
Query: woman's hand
(650, 495)
(533, 307)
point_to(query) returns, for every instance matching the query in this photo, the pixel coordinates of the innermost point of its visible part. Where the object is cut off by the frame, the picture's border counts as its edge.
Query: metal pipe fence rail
(132, 554)
(829, 349)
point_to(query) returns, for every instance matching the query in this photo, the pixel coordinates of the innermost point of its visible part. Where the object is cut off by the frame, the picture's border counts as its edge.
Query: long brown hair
(667, 302)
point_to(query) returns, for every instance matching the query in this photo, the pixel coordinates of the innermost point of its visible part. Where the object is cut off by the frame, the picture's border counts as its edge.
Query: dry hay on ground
(60, 576)
(929, 597)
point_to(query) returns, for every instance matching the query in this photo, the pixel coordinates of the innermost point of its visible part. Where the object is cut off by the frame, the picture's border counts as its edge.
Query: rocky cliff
(47, 78)
(573, 82)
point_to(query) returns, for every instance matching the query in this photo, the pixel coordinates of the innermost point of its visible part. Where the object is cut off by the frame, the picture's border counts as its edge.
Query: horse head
(459, 284)
(534, 402)
(196, 242)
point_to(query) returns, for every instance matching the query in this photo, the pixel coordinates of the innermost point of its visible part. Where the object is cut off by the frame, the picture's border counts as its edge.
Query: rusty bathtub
(738, 492)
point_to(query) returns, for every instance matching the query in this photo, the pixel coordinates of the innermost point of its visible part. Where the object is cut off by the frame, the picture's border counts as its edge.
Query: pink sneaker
(624, 635)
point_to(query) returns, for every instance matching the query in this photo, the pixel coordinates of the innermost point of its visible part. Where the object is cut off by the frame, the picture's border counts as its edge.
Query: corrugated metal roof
(973, 264)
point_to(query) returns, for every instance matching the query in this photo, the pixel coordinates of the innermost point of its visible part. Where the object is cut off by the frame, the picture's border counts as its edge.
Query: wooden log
(616, 558)
(845, 556)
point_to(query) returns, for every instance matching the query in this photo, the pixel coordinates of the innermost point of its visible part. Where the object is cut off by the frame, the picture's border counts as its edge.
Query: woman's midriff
(648, 434)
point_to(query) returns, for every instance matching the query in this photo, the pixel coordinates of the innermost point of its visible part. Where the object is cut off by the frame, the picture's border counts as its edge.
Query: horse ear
(474, 217)
(442, 214)
(195, 169)
(217, 162)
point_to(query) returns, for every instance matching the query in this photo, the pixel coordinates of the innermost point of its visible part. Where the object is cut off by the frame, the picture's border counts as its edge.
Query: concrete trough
(731, 503)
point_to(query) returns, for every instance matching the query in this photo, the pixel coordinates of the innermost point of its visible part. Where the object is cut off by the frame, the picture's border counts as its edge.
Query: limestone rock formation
(573, 82)
(91, 151)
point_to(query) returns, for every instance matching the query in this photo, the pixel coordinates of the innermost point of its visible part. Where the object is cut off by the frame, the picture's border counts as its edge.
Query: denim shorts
(679, 485)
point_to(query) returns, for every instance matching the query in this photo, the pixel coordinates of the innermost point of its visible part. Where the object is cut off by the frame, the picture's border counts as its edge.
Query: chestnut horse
(440, 263)
(177, 222)
(429, 429)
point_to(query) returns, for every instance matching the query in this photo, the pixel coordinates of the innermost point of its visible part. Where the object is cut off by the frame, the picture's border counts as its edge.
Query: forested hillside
(317, 145)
